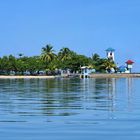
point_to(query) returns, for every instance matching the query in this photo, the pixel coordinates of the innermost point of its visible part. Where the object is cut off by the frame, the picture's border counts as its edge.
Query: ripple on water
(70, 109)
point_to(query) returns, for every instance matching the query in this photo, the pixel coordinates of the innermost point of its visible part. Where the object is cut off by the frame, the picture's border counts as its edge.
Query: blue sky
(85, 26)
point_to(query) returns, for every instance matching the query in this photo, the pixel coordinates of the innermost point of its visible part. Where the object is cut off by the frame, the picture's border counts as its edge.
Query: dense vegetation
(49, 62)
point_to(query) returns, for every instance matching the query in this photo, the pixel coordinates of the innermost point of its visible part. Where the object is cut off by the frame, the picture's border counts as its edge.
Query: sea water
(70, 109)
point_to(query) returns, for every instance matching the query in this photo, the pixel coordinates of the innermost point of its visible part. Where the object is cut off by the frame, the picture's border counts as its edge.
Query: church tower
(110, 53)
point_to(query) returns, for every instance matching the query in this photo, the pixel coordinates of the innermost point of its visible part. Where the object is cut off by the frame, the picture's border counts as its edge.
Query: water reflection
(129, 83)
(23, 98)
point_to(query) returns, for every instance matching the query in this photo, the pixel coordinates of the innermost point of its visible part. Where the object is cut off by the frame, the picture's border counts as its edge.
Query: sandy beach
(105, 75)
(115, 75)
(25, 77)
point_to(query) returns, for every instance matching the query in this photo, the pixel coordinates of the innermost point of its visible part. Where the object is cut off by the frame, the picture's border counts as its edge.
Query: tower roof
(110, 50)
(129, 62)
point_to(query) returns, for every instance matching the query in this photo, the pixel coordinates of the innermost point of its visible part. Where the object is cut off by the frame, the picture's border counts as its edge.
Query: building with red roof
(129, 62)
(129, 65)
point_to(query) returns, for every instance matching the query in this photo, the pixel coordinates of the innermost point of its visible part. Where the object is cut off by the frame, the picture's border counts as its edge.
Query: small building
(85, 71)
(129, 65)
(110, 53)
(123, 69)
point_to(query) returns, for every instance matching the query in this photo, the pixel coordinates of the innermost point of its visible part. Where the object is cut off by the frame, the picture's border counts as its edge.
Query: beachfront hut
(85, 71)
(110, 53)
(129, 65)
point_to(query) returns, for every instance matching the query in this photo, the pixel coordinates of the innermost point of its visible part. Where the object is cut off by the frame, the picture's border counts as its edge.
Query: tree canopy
(49, 62)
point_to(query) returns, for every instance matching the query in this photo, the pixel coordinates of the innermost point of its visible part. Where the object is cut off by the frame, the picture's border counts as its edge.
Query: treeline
(50, 63)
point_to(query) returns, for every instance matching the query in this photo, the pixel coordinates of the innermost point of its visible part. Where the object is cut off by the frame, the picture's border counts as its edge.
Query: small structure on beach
(110, 53)
(85, 71)
(129, 65)
(126, 68)
(123, 69)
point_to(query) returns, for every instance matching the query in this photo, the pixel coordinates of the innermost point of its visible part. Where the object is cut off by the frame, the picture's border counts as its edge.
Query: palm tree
(48, 54)
(95, 57)
(108, 65)
(65, 54)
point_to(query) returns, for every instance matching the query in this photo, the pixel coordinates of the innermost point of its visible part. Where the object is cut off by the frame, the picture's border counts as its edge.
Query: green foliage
(104, 65)
(50, 61)
(65, 54)
(48, 54)
(95, 57)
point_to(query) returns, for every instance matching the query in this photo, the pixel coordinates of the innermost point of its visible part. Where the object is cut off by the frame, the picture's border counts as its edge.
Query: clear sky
(85, 26)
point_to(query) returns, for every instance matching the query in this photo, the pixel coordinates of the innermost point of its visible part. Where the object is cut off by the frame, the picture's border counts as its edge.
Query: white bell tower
(110, 53)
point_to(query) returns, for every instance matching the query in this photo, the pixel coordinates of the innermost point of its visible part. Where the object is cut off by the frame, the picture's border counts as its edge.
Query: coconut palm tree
(48, 54)
(108, 65)
(65, 54)
(95, 57)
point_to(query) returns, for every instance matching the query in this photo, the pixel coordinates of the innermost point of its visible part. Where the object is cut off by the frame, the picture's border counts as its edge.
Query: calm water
(68, 109)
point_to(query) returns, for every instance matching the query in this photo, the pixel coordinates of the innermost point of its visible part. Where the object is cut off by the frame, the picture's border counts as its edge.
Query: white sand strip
(25, 77)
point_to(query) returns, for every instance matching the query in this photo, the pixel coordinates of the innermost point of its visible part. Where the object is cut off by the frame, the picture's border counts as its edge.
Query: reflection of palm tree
(65, 54)
(47, 54)
(56, 105)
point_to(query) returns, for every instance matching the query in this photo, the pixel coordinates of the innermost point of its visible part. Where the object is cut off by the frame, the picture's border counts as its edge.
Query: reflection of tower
(110, 53)
(112, 89)
(129, 85)
(129, 92)
(111, 83)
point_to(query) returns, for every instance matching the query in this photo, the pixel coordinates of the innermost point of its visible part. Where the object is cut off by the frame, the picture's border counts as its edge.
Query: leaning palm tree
(48, 54)
(65, 54)
(108, 65)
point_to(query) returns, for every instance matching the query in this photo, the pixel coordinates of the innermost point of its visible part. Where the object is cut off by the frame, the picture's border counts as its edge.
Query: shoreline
(96, 75)
(115, 75)
(25, 77)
